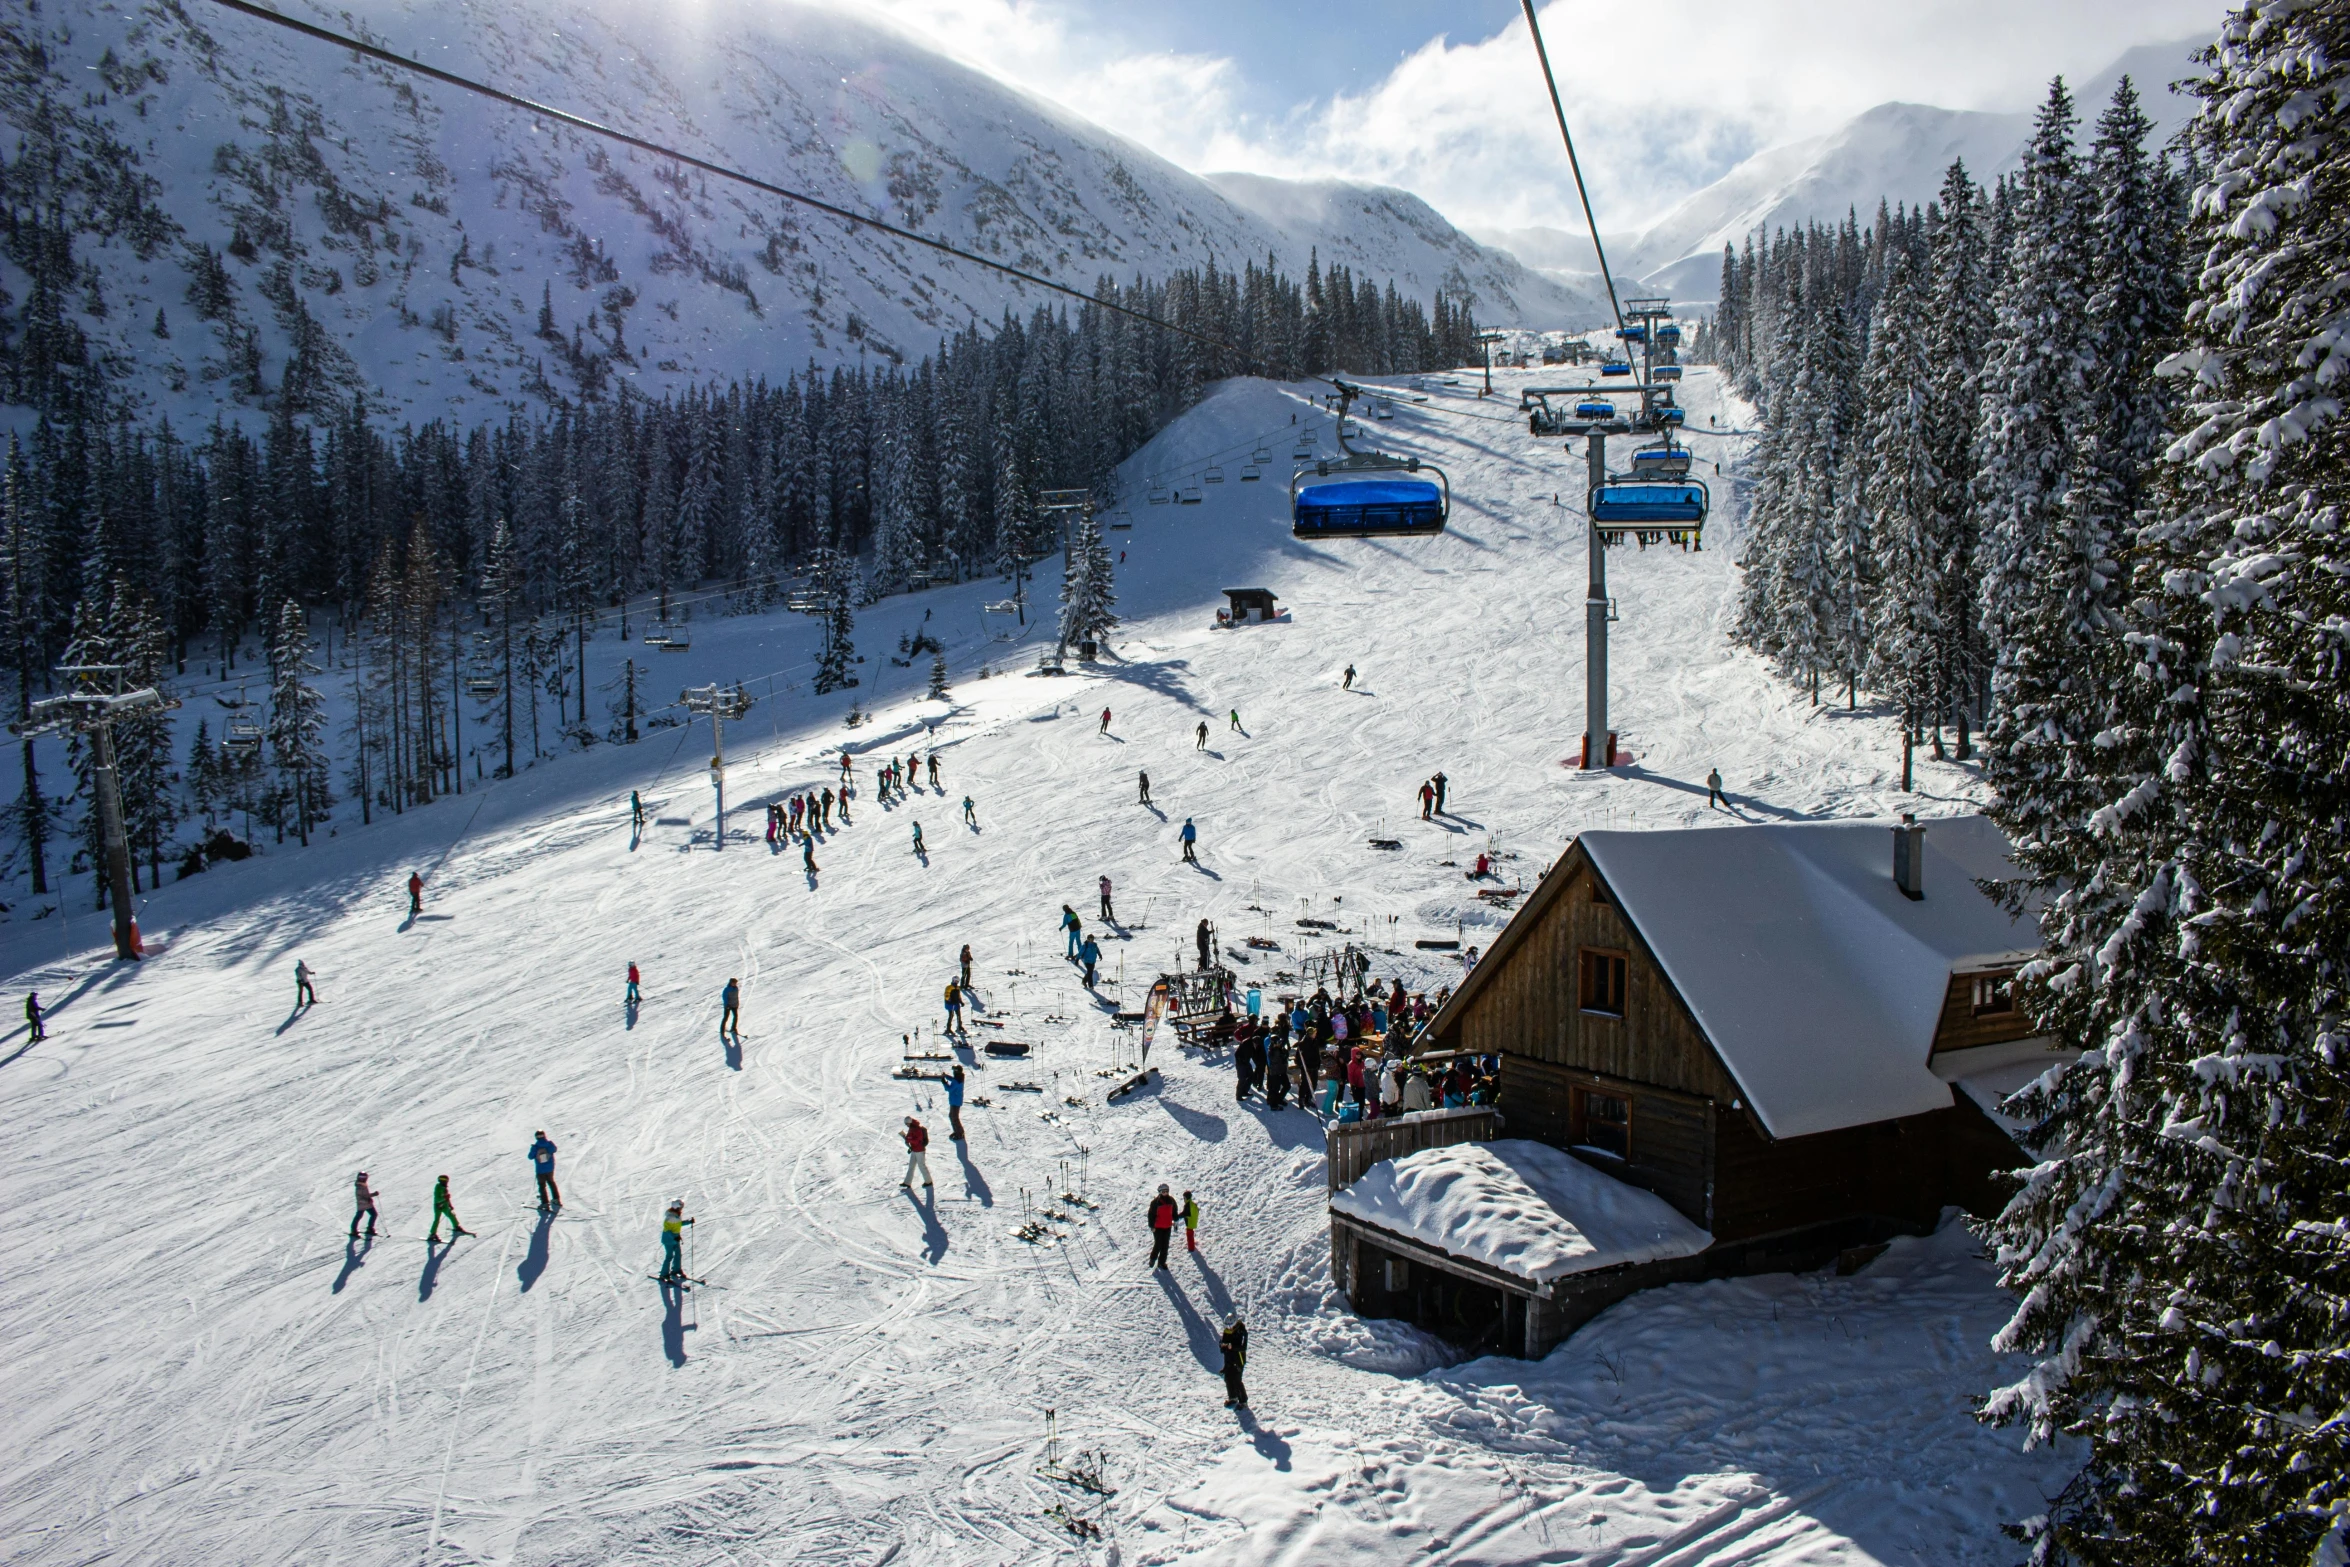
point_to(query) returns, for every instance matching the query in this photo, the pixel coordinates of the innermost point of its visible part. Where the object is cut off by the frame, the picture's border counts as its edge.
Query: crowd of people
(1350, 1061)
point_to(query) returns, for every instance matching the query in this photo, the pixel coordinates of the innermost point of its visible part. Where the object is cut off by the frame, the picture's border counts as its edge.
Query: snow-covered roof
(1521, 1207)
(1819, 984)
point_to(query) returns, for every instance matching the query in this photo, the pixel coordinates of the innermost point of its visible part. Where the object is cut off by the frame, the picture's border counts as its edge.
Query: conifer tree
(938, 691)
(498, 647)
(297, 721)
(1086, 594)
(833, 582)
(2182, 1250)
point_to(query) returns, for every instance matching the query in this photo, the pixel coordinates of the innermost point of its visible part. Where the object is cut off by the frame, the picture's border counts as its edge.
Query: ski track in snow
(202, 1372)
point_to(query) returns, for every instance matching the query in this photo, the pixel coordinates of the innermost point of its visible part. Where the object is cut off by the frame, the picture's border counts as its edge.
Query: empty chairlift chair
(1215, 474)
(1664, 373)
(1660, 462)
(1362, 495)
(1615, 367)
(1158, 495)
(1593, 408)
(1667, 335)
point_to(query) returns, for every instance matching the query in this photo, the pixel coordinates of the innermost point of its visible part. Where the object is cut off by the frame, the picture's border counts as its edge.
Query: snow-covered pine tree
(938, 691)
(297, 722)
(1897, 485)
(2182, 1252)
(203, 770)
(1958, 326)
(833, 579)
(498, 647)
(1086, 585)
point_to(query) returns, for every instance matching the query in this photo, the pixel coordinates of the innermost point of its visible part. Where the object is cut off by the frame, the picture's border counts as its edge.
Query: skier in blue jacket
(1090, 955)
(955, 1104)
(1190, 842)
(542, 1159)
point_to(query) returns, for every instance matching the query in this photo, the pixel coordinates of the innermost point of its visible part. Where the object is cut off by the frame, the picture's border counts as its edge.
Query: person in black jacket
(1233, 1341)
(1162, 1217)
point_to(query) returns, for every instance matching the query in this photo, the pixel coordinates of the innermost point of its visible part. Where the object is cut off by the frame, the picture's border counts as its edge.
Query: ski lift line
(709, 166)
(1573, 162)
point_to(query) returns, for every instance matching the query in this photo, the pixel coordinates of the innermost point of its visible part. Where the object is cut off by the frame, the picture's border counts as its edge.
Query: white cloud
(1660, 102)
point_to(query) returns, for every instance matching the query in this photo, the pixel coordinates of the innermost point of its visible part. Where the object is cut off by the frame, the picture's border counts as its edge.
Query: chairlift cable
(1573, 162)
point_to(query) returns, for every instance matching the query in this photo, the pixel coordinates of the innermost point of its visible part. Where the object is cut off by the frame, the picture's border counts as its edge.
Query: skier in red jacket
(415, 893)
(917, 1138)
(1162, 1214)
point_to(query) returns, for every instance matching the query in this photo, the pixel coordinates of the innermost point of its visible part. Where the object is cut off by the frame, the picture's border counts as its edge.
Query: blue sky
(1446, 101)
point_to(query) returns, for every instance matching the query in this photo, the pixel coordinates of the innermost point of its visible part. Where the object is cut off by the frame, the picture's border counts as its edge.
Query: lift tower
(91, 707)
(719, 703)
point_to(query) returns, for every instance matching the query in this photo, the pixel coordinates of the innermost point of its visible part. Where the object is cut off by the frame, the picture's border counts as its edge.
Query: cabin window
(1600, 985)
(1994, 994)
(1603, 1121)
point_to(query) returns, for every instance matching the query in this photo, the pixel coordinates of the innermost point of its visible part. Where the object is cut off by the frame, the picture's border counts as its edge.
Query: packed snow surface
(202, 1371)
(1522, 1207)
(1819, 982)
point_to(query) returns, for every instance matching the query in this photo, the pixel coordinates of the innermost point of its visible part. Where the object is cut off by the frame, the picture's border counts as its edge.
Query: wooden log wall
(1357, 1145)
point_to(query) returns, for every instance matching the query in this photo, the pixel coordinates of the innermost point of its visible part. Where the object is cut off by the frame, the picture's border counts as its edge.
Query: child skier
(969, 820)
(1236, 729)
(442, 1206)
(672, 1243)
(1233, 1341)
(363, 1200)
(1190, 1223)
(955, 1104)
(542, 1160)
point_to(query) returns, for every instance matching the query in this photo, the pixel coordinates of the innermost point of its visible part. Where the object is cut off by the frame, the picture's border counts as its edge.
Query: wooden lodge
(1250, 603)
(1795, 1035)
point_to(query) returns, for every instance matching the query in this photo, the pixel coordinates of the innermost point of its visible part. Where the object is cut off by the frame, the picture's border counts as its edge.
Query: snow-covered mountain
(1380, 232)
(245, 197)
(1896, 152)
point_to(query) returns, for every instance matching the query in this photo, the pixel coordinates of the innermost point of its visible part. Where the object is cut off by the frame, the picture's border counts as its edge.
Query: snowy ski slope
(200, 1371)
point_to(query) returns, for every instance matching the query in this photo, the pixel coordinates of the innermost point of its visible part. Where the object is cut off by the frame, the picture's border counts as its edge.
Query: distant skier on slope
(1236, 729)
(35, 1024)
(918, 849)
(542, 1163)
(1190, 842)
(1203, 736)
(1070, 927)
(966, 965)
(415, 893)
(808, 854)
(730, 1002)
(933, 760)
(363, 1205)
(636, 811)
(1427, 800)
(970, 818)
(673, 1225)
(634, 995)
(1438, 781)
(1713, 790)
(1146, 790)
(954, 1088)
(1105, 728)
(443, 1208)
(1090, 955)
(1233, 1341)
(954, 1004)
(305, 993)
(1348, 684)
(1190, 1223)
(1107, 916)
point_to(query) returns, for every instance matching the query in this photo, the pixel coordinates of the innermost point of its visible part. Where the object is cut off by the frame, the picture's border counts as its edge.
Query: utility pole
(91, 707)
(1488, 339)
(721, 703)
(1595, 745)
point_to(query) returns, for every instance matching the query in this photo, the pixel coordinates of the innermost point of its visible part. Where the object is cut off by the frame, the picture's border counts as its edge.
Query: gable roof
(1816, 982)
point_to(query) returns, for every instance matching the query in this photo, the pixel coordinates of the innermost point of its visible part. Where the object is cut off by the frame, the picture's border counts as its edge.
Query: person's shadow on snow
(974, 1184)
(628, 1012)
(1218, 1296)
(292, 1017)
(734, 1053)
(354, 1258)
(934, 1234)
(435, 1253)
(1195, 1327)
(1203, 870)
(534, 1261)
(673, 1324)
(1266, 1442)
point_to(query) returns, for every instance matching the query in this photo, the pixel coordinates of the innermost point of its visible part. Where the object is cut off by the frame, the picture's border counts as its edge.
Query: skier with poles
(1190, 842)
(415, 893)
(969, 818)
(542, 1161)
(916, 1137)
(673, 1226)
(305, 994)
(363, 1201)
(634, 996)
(441, 1206)
(1105, 728)
(730, 1011)
(1146, 790)
(954, 1086)
(35, 1026)
(1107, 917)
(1162, 1218)
(1348, 684)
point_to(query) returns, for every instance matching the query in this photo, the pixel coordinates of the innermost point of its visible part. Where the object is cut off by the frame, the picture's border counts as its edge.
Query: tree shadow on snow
(1195, 1327)
(534, 1261)
(673, 1324)
(1161, 677)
